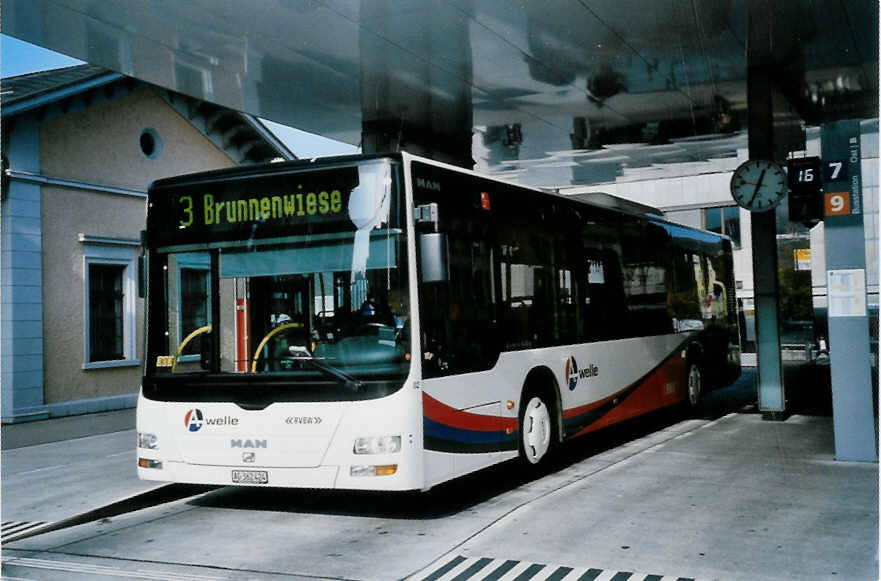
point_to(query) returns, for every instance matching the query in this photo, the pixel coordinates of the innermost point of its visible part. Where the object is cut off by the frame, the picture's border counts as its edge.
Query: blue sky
(18, 57)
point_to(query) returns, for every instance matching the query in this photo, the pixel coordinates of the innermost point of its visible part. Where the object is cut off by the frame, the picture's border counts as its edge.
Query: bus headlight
(377, 445)
(385, 470)
(148, 441)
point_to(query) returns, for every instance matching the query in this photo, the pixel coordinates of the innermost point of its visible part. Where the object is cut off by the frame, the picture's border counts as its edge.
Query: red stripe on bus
(573, 412)
(665, 386)
(444, 414)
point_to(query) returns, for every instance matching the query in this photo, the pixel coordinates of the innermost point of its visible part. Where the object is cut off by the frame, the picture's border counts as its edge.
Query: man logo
(571, 373)
(193, 420)
(248, 443)
(428, 184)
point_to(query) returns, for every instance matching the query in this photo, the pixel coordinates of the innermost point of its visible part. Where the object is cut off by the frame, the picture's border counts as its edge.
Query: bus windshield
(319, 301)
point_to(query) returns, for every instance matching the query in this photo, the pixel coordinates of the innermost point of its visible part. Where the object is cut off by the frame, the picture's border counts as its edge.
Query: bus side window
(471, 315)
(720, 310)
(646, 279)
(684, 298)
(605, 312)
(528, 289)
(567, 308)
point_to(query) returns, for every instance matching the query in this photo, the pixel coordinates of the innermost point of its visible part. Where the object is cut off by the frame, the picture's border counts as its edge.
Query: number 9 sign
(837, 204)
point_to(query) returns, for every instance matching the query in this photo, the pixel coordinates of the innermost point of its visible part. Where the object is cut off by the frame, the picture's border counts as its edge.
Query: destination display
(262, 209)
(257, 207)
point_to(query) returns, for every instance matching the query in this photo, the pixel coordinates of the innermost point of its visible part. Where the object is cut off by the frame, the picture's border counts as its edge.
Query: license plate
(250, 477)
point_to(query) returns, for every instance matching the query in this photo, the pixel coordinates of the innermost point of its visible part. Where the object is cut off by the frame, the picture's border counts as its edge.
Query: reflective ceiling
(546, 92)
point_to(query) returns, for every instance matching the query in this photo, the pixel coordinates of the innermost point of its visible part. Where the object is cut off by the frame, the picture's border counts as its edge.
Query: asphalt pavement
(726, 495)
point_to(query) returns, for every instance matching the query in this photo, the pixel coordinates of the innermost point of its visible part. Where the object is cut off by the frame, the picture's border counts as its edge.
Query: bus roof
(264, 169)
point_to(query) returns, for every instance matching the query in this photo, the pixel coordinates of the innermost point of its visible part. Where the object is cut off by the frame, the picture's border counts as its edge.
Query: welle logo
(572, 373)
(194, 420)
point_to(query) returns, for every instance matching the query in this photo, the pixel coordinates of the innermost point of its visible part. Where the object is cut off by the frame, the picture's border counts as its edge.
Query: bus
(387, 322)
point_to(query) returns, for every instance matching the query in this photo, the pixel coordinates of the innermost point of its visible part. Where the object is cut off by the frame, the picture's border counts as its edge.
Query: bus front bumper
(361, 477)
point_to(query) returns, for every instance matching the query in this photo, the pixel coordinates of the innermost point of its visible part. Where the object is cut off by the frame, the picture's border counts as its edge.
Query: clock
(758, 185)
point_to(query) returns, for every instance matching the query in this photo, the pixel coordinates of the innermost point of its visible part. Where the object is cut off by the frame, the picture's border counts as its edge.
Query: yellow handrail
(199, 331)
(266, 340)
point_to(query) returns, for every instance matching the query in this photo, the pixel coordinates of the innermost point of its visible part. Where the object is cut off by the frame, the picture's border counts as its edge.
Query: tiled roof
(22, 87)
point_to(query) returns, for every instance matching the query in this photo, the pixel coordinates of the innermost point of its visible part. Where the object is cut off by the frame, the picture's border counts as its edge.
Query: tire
(538, 433)
(693, 386)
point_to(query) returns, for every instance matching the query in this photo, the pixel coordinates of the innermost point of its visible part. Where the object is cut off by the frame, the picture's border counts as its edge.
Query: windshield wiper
(303, 355)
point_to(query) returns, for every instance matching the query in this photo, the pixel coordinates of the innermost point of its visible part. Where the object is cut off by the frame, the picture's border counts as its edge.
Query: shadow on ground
(475, 489)
(807, 387)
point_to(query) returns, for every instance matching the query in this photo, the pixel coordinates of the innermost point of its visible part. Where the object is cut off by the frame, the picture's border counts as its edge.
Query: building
(80, 147)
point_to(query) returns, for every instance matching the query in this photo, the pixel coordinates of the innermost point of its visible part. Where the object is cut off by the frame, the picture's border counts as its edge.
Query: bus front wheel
(537, 433)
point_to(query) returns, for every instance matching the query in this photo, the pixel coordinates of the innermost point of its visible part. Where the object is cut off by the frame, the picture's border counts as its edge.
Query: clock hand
(758, 185)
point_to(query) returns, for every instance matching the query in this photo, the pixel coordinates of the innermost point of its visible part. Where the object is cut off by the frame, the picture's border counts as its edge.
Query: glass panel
(725, 220)
(194, 305)
(731, 216)
(105, 312)
(691, 218)
(713, 220)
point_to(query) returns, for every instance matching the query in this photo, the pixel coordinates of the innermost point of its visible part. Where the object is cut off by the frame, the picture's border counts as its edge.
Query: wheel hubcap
(694, 384)
(536, 430)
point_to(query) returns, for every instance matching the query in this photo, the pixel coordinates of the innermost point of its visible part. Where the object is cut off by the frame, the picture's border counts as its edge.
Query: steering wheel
(266, 339)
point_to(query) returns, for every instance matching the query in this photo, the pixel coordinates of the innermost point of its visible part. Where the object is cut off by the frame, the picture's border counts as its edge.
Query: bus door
(458, 317)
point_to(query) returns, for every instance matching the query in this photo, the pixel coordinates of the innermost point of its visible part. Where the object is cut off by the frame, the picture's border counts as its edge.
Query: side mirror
(434, 266)
(142, 267)
(142, 277)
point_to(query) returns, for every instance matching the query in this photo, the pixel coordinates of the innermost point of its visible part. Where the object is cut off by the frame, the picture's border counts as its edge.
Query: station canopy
(552, 93)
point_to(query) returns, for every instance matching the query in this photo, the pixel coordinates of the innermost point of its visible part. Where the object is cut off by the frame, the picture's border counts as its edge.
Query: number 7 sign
(835, 170)
(837, 204)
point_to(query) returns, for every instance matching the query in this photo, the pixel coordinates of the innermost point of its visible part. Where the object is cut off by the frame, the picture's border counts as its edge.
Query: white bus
(388, 322)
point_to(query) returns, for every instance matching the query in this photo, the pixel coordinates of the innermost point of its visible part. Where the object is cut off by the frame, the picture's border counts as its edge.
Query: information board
(846, 291)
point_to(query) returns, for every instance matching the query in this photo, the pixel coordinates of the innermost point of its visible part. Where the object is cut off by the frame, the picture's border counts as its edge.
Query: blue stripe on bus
(444, 438)
(444, 432)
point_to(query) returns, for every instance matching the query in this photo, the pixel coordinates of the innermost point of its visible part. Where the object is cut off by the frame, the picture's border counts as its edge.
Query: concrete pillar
(760, 102)
(413, 104)
(852, 406)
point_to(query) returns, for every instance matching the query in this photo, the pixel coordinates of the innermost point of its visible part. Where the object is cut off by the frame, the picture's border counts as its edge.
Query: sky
(18, 58)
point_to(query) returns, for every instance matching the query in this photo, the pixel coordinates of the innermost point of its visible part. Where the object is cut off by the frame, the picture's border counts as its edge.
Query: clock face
(758, 185)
